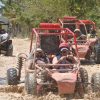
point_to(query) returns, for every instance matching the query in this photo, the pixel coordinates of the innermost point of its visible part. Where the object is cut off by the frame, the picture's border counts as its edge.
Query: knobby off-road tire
(82, 82)
(95, 80)
(9, 51)
(31, 83)
(97, 54)
(84, 78)
(44, 77)
(12, 76)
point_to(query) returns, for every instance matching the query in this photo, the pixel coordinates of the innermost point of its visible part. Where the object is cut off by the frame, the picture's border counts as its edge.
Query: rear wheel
(82, 82)
(12, 78)
(84, 78)
(9, 51)
(95, 80)
(30, 83)
(97, 54)
(44, 77)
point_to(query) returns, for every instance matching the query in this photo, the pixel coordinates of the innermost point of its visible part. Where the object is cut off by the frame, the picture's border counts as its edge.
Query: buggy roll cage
(46, 32)
(60, 31)
(89, 22)
(72, 21)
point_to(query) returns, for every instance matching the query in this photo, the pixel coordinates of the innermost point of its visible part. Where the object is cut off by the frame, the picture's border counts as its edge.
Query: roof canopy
(4, 20)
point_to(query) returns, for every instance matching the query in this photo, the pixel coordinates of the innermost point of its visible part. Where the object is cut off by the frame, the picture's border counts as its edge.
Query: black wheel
(69, 96)
(81, 86)
(95, 80)
(12, 76)
(44, 77)
(30, 83)
(9, 51)
(97, 54)
(84, 78)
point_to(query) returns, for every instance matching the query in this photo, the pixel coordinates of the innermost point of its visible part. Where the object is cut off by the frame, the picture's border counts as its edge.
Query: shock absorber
(19, 66)
(20, 62)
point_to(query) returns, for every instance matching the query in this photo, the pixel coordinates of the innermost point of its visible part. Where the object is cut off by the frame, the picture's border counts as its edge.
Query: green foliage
(81, 8)
(31, 12)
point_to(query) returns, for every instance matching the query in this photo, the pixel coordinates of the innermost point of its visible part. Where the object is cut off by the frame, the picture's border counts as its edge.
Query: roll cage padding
(49, 25)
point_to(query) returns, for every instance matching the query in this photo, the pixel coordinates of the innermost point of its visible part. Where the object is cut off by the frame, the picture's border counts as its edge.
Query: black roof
(4, 20)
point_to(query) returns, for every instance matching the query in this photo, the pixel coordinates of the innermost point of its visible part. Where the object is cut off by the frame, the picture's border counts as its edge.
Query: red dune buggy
(43, 78)
(89, 47)
(46, 77)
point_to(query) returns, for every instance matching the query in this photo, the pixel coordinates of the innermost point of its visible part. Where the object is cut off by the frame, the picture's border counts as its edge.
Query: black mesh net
(50, 44)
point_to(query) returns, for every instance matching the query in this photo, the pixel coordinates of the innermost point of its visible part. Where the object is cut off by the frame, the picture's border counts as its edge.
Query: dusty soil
(15, 93)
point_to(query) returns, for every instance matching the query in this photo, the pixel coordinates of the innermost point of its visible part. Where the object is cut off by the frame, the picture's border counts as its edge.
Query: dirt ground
(8, 93)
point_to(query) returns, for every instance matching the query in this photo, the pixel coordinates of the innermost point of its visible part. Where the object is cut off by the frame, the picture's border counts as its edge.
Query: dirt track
(22, 46)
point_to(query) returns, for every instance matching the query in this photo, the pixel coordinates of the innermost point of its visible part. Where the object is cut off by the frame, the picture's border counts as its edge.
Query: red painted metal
(66, 81)
(89, 22)
(49, 25)
(83, 48)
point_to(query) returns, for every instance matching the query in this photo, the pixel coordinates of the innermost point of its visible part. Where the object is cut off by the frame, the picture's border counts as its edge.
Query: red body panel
(66, 82)
(66, 87)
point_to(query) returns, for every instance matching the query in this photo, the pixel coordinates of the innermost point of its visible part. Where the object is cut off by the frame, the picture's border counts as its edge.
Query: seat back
(50, 44)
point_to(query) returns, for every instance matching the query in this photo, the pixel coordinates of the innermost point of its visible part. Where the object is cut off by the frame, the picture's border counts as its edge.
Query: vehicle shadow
(2, 55)
(87, 62)
(13, 56)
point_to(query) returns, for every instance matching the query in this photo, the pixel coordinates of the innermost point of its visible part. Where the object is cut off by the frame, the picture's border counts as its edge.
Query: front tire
(82, 84)
(84, 78)
(97, 54)
(95, 80)
(30, 83)
(12, 78)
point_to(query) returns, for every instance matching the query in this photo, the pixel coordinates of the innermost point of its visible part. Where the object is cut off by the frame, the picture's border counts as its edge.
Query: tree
(29, 13)
(80, 8)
